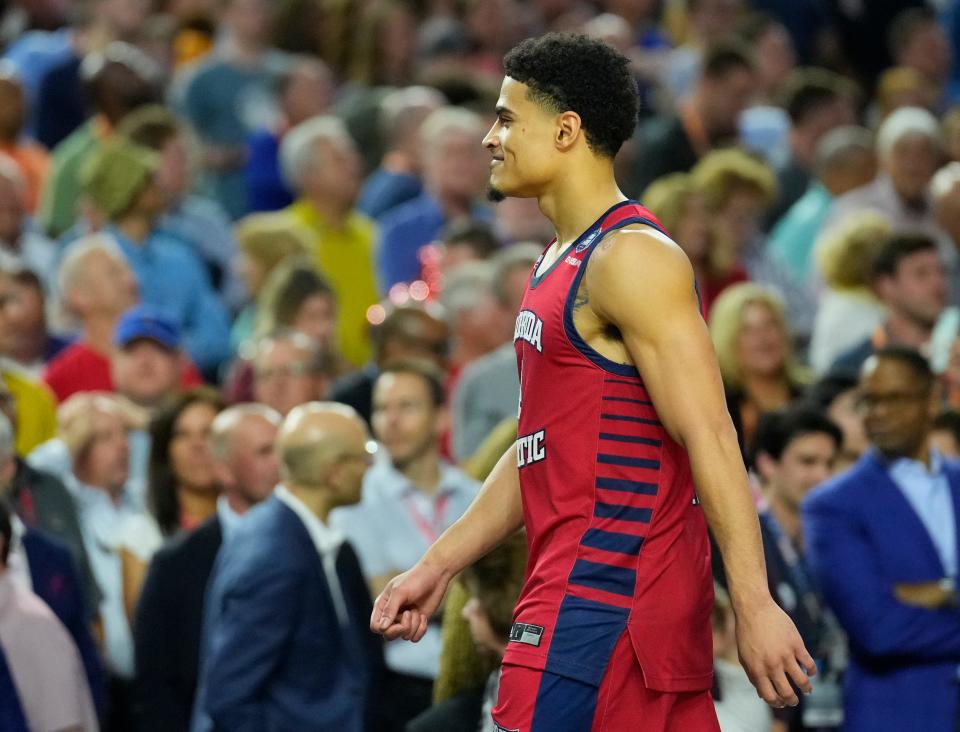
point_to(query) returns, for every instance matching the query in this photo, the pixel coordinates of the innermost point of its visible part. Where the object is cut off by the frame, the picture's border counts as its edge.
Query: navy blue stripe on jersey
(584, 636)
(612, 437)
(637, 383)
(629, 462)
(622, 513)
(612, 541)
(624, 418)
(564, 703)
(645, 403)
(616, 580)
(630, 486)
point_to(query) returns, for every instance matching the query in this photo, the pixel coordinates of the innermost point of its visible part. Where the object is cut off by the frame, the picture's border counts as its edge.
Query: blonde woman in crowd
(849, 310)
(682, 210)
(263, 240)
(748, 326)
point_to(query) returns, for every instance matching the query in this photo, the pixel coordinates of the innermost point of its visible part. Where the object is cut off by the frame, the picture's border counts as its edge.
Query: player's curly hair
(572, 72)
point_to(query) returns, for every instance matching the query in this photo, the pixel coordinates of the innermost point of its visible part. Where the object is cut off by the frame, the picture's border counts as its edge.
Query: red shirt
(79, 368)
(618, 542)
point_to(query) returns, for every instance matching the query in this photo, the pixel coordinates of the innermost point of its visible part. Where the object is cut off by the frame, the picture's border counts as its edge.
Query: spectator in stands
(30, 158)
(290, 369)
(398, 178)
(45, 665)
(881, 543)
(24, 337)
(406, 332)
(682, 209)
(490, 588)
(198, 222)
(836, 396)
(33, 405)
(42, 563)
(170, 611)
(918, 41)
(119, 80)
(182, 488)
(408, 502)
(738, 189)
(461, 241)
(479, 324)
(147, 365)
(93, 430)
(793, 451)
(268, 616)
(41, 500)
(908, 150)
(708, 120)
(945, 433)
(488, 390)
(849, 310)
(19, 236)
(321, 162)
(304, 90)
(96, 287)
(454, 168)
(295, 296)
(900, 87)
(945, 197)
(734, 697)
(844, 160)
(749, 330)
(908, 277)
(706, 23)
(264, 241)
(817, 101)
(228, 97)
(124, 182)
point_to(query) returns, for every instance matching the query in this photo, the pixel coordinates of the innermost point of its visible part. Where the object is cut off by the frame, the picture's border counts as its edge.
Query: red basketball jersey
(618, 541)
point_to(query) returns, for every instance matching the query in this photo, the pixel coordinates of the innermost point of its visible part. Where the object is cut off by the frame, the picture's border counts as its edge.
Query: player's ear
(568, 130)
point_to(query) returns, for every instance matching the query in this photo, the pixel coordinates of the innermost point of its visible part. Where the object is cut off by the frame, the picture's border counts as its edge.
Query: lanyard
(429, 529)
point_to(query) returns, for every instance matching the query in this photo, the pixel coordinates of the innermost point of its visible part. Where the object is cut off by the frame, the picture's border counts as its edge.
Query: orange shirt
(34, 163)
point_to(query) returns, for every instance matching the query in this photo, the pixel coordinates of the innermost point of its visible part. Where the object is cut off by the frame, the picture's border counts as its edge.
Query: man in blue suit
(287, 645)
(881, 540)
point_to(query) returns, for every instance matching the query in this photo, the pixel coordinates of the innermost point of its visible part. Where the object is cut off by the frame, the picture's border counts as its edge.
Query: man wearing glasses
(881, 539)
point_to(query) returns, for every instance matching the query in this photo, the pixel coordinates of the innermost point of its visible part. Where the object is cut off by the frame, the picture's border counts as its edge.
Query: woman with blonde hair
(749, 330)
(849, 311)
(263, 241)
(675, 200)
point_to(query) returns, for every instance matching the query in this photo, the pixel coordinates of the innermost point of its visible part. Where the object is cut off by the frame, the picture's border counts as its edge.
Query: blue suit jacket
(278, 659)
(862, 538)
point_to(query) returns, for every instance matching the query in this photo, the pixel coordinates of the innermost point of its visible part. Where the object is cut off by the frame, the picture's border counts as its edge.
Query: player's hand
(773, 655)
(408, 602)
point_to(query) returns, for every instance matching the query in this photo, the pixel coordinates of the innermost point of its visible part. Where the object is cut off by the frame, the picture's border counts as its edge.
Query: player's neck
(574, 204)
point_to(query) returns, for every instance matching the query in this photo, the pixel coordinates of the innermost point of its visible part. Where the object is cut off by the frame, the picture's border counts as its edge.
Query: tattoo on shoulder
(582, 298)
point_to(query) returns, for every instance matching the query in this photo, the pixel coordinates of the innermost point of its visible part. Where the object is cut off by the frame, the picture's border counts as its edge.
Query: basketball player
(621, 414)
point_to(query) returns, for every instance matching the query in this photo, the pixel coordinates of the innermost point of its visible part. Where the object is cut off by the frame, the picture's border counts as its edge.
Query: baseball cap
(145, 322)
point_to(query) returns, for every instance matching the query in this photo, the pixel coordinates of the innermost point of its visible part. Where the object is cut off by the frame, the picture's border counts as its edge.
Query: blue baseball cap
(145, 322)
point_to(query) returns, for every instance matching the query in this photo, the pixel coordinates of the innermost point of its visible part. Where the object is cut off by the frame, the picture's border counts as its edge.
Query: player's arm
(642, 283)
(409, 600)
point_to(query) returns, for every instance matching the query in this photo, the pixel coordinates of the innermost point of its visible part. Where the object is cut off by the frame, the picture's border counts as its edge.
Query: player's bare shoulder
(637, 265)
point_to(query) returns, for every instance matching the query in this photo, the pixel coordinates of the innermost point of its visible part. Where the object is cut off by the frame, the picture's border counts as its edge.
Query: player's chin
(495, 193)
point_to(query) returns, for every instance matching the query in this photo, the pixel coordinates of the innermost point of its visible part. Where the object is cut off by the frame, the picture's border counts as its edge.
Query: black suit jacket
(167, 628)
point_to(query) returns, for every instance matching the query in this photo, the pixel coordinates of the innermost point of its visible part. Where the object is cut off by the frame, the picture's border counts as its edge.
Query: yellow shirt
(36, 411)
(346, 258)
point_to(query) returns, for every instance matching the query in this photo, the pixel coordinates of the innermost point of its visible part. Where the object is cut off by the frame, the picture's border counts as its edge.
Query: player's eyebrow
(503, 111)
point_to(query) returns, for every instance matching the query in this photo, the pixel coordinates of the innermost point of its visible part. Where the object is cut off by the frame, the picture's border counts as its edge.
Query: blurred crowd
(245, 245)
